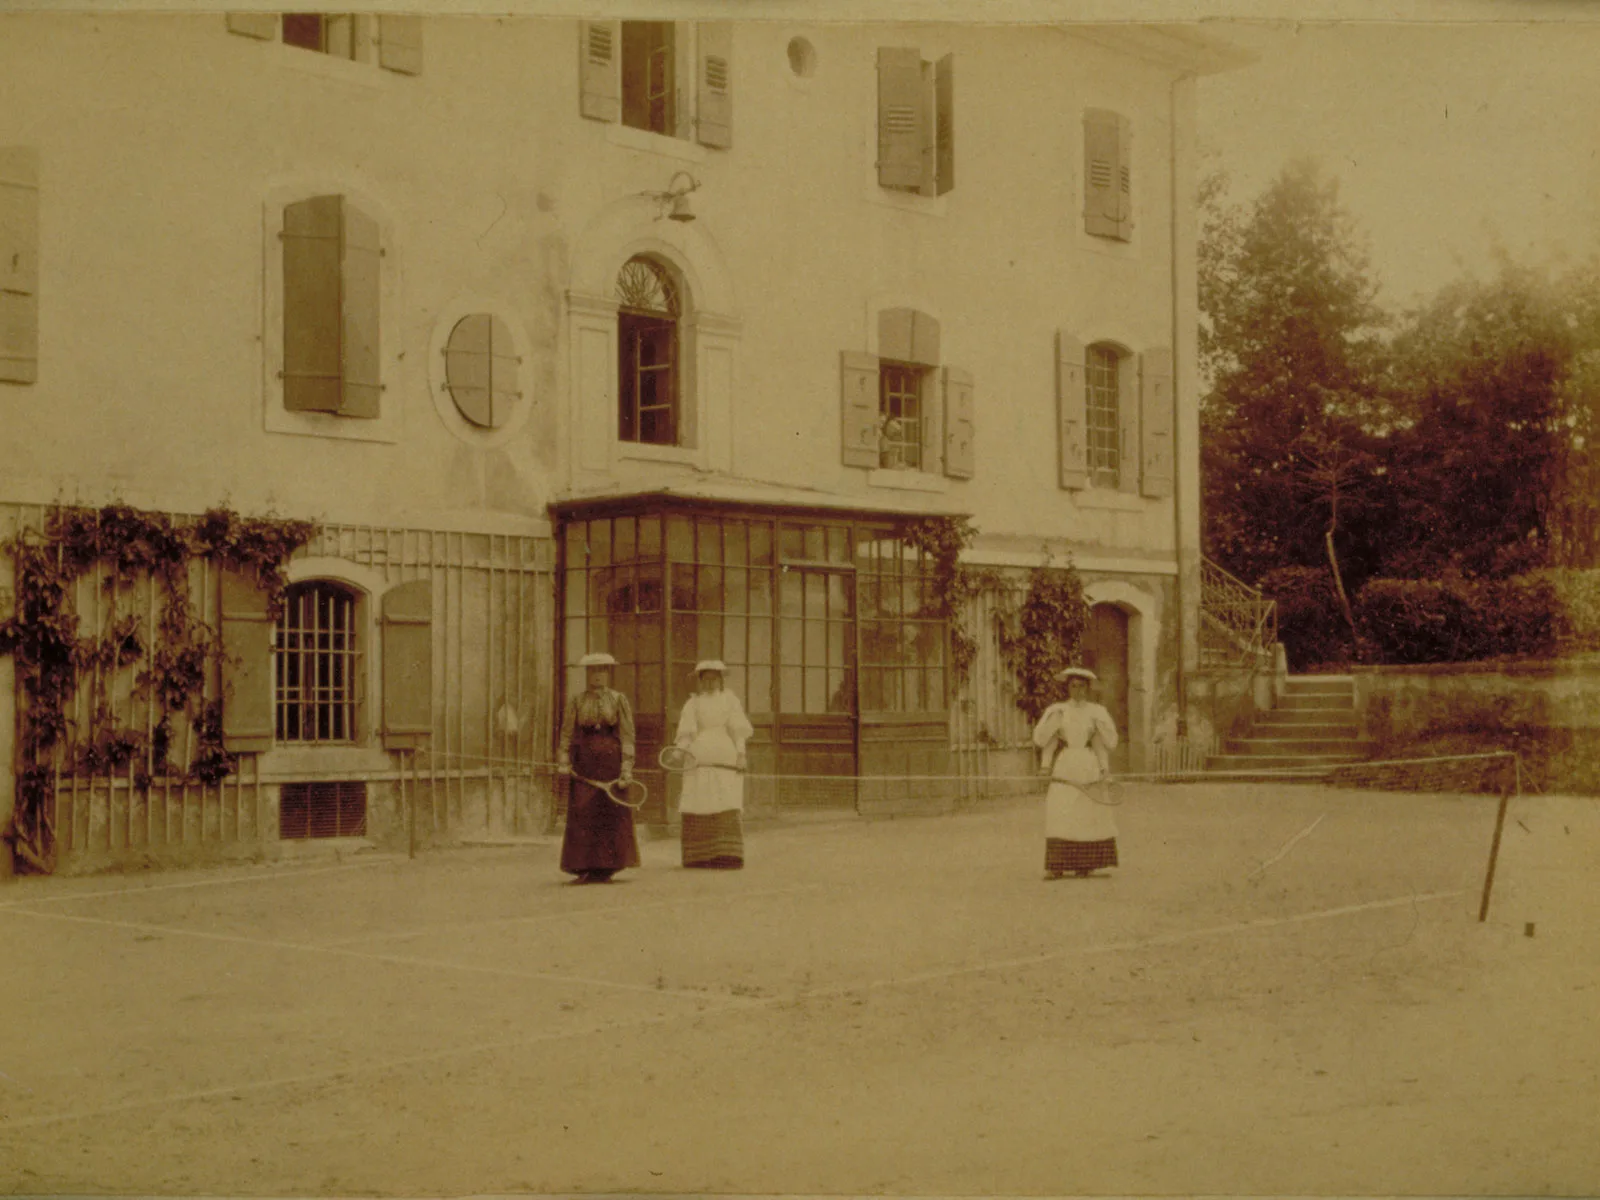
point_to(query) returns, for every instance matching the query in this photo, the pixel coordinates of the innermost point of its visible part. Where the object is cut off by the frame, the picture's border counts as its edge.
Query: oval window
(481, 370)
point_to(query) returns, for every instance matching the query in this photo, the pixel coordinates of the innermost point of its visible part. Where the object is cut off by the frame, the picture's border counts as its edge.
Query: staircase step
(1320, 702)
(1320, 685)
(1276, 746)
(1328, 722)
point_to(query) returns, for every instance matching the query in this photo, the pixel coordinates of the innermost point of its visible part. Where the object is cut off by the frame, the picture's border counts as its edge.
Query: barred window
(1104, 419)
(317, 664)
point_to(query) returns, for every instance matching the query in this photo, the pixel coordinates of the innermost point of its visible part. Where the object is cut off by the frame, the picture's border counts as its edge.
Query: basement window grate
(322, 810)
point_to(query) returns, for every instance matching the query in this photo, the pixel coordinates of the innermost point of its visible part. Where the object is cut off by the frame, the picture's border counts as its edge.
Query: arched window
(317, 664)
(1103, 389)
(647, 354)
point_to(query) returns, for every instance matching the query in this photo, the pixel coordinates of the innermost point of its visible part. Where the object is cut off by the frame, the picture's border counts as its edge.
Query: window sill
(645, 452)
(908, 202)
(383, 428)
(907, 480)
(1104, 498)
(326, 66)
(285, 762)
(619, 134)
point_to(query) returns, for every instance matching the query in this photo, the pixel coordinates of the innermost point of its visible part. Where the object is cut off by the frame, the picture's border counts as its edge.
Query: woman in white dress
(714, 729)
(1075, 739)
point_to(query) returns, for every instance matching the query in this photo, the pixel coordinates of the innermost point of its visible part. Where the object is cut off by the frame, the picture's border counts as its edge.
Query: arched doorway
(1105, 652)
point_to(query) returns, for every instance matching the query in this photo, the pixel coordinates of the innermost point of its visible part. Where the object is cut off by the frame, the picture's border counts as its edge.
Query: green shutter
(902, 118)
(312, 300)
(1071, 411)
(1102, 153)
(714, 84)
(944, 105)
(400, 44)
(19, 264)
(256, 25)
(1127, 424)
(599, 85)
(247, 689)
(408, 664)
(362, 366)
(1155, 410)
(960, 425)
(858, 375)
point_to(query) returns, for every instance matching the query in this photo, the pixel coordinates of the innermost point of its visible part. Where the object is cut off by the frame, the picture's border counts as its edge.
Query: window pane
(685, 637)
(709, 590)
(599, 543)
(793, 541)
(649, 697)
(838, 544)
(789, 642)
(680, 686)
(816, 689)
(761, 592)
(839, 698)
(680, 539)
(577, 583)
(760, 641)
(759, 697)
(838, 596)
(649, 537)
(708, 535)
(734, 596)
(734, 681)
(649, 595)
(649, 640)
(937, 680)
(789, 594)
(576, 544)
(683, 592)
(737, 539)
(761, 544)
(814, 543)
(577, 645)
(871, 689)
(599, 638)
(790, 699)
(623, 638)
(624, 677)
(622, 549)
(816, 643)
(837, 634)
(619, 590)
(710, 637)
(733, 639)
(816, 595)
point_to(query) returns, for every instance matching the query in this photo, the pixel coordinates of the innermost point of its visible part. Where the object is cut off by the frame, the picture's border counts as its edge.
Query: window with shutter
(319, 665)
(1156, 418)
(858, 391)
(903, 119)
(262, 26)
(944, 172)
(1107, 179)
(649, 84)
(599, 97)
(245, 625)
(481, 370)
(1103, 408)
(1071, 416)
(332, 275)
(400, 43)
(408, 664)
(714, 83)
(19, 264)
(960, 425)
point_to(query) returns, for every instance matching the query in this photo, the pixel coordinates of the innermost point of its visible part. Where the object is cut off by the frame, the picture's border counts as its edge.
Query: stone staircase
(1313, 726)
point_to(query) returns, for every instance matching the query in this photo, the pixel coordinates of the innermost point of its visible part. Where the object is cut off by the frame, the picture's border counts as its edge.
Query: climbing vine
(54, 662)
(1044, 634)
(942, 539)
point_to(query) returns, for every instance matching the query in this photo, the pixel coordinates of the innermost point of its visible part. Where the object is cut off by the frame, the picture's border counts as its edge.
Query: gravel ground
(898, 1006)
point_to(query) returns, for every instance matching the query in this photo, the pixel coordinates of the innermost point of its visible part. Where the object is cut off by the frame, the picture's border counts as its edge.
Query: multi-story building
(643, 336)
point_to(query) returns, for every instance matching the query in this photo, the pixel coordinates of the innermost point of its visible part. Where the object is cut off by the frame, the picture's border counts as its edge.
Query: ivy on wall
(942, 539)
(54, 661)
(1044, 635)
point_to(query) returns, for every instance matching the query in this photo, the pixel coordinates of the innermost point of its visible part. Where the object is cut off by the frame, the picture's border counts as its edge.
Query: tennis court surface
(872, 1006)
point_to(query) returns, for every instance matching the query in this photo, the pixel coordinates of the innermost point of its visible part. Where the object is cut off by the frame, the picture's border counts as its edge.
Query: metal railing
(1242, 623)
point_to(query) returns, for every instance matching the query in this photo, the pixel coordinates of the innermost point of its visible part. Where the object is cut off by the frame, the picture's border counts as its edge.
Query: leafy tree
(1290, 341)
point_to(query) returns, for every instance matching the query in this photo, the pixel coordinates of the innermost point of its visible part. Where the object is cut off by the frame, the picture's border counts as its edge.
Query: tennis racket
(617, 791)
(676, 758)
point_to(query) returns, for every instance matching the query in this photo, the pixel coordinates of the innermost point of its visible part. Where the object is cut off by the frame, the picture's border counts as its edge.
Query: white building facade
(625, 335)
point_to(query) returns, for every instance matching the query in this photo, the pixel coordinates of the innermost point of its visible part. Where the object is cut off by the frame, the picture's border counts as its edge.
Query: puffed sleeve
(1105, 728)
(625, 729)
(569, 720)
(688, 724)
(739, 727)
(1048, 728)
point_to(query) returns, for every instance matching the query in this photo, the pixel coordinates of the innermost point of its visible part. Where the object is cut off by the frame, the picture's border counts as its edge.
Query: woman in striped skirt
(714, 729)
(1075, 739)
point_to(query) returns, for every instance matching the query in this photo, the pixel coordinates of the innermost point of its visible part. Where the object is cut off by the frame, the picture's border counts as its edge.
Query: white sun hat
(711, 664)
(1077, 673)
(598, 658)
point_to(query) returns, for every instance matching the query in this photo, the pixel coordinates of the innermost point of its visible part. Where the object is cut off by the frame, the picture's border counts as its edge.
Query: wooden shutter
(714, 85)
(907, 335)
(504, 373)
(400, 43)
(1124, 178)
(902, 118)
(248, 700)
(1071, 411)
(1155, 418)
(1127, 424)
(408, 664)
(930, 391)
(599, 85)
(858, 374)
(468, 369)
(960, 427)
(944, 103)
(362, 367)
(312, 298)
(19, 264)
(255, 25)
(1102, 153)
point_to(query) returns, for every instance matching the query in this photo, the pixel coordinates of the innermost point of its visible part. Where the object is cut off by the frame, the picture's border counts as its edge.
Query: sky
(1447, 139)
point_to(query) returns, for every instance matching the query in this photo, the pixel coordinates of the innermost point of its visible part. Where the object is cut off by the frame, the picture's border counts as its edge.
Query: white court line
(535, 918)
(268, 877)
(722, 1004)
(430, 964)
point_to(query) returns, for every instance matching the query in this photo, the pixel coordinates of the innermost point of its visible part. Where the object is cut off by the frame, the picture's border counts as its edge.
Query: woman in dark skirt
(597, 744)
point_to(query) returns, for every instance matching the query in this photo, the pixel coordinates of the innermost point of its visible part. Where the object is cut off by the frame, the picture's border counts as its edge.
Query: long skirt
(1080, 834)
(599, 836)
(713, 839)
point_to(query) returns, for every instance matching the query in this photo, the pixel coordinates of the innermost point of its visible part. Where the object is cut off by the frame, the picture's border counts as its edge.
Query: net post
(1499, 827)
